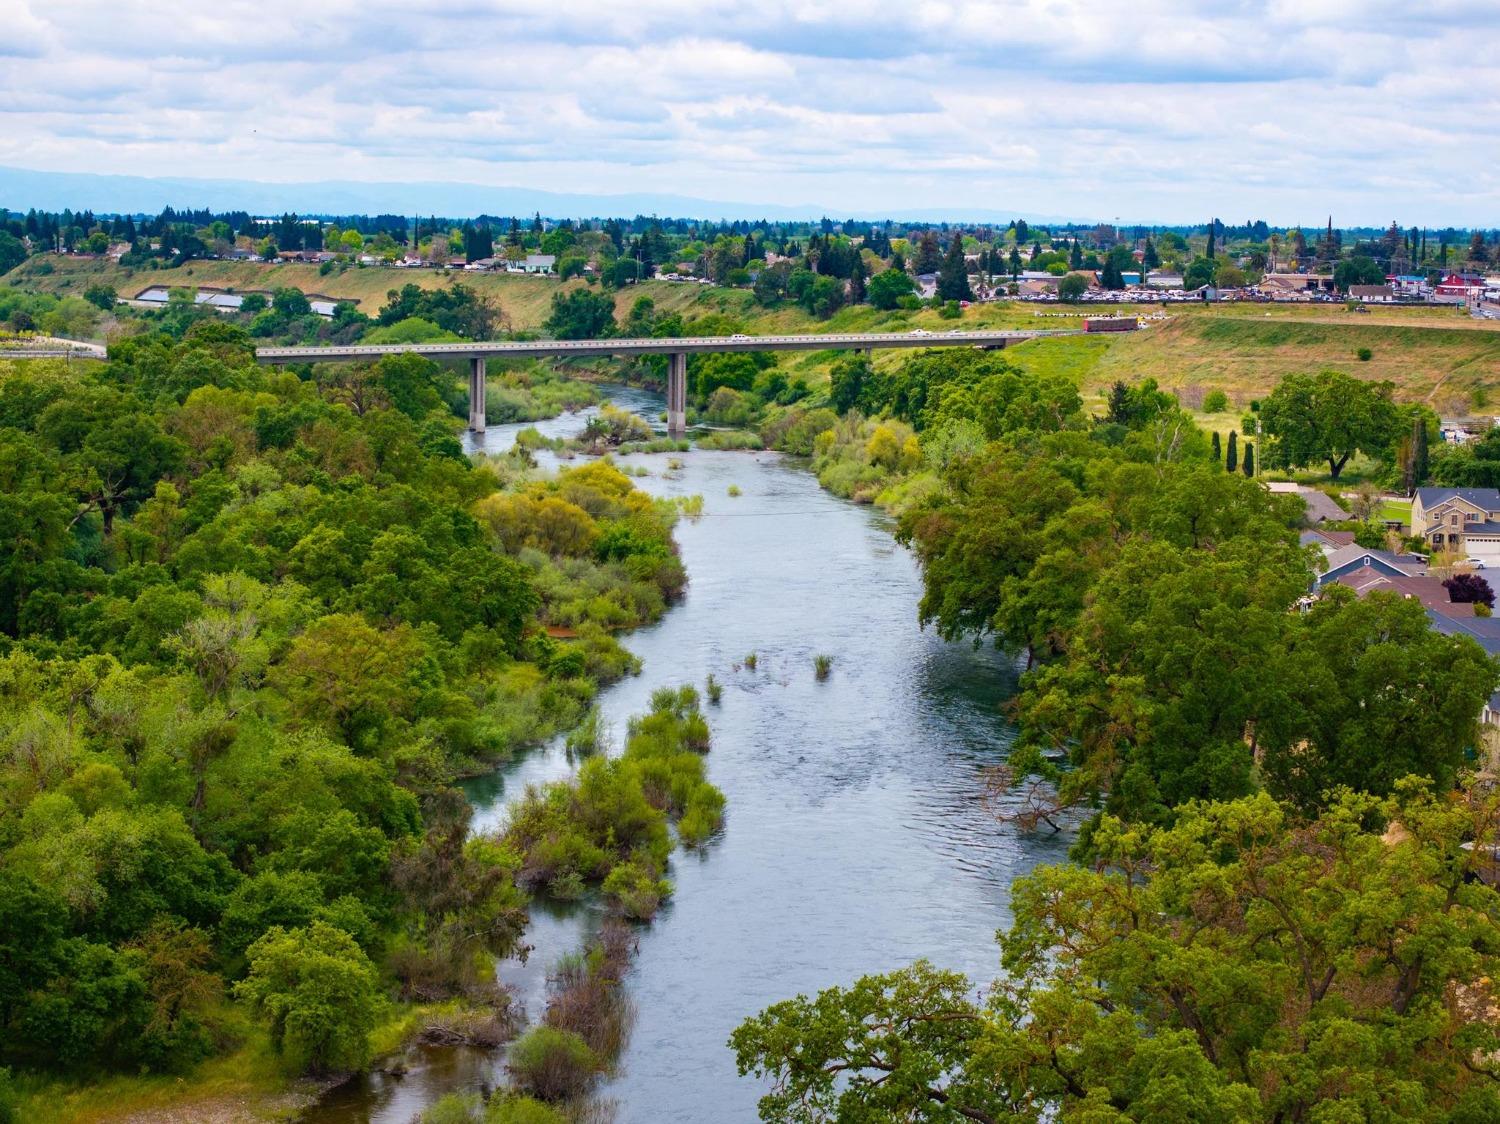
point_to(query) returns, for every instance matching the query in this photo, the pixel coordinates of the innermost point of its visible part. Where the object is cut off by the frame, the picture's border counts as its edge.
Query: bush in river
(609, 825)
(521, 1110)
(715, 690)
(552, 1064)
(822, 665)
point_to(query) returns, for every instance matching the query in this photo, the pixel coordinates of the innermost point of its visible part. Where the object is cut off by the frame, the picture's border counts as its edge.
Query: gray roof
(1487, 498)
(1351, 557)
(1320, 506)
(1488, 527)
(1484, 630)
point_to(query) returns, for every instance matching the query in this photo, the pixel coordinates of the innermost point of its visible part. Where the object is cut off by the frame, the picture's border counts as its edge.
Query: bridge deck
(679, 345)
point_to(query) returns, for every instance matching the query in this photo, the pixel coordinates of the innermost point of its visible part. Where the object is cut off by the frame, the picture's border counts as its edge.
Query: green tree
(291, 302)
(581, 315)
(1218, 450)
(888, 287)
(928, 257)
(953, 278)
(1200, 272)
(1329, 416)
(12, 251)
(1237, 966)
(319, 992)
(1071, 287)
(1375, 695)
(1248, 464)
(1232, 458)
(1357, 270)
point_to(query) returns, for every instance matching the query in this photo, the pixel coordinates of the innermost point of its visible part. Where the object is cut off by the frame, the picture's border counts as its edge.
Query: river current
(857, 836)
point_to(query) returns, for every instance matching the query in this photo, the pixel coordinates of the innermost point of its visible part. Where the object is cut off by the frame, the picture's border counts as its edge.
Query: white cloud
(1159, 109)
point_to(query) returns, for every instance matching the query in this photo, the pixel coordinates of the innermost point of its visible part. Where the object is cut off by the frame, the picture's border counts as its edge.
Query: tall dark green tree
(1249, 463)
(1232, 459)
(1218, 449)
(1419, 457)
(953, 278)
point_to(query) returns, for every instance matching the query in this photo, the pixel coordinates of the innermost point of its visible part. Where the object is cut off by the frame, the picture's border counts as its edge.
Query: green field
(1435, 355)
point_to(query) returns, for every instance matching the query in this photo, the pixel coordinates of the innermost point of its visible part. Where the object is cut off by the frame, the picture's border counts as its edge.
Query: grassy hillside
(1436, 355)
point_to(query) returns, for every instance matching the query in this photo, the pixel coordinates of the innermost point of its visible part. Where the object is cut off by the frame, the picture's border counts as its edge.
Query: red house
(1460, 285)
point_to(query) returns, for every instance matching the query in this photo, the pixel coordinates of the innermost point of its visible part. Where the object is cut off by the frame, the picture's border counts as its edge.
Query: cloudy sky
(1149, 110)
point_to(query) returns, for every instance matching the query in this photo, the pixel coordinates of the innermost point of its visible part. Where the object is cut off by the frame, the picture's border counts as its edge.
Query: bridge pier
(676, 394)
(478, 394)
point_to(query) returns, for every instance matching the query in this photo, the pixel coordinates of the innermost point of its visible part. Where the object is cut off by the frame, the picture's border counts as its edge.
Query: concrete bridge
(676, 350)
(51, 347)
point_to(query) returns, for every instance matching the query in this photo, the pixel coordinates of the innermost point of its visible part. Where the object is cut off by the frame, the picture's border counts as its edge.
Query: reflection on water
(856, 839)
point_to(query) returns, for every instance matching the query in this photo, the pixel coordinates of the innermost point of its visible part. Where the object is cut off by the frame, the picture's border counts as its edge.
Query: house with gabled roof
(1459, 520)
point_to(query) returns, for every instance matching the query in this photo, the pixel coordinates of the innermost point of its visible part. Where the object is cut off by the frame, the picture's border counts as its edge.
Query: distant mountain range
(21, 189)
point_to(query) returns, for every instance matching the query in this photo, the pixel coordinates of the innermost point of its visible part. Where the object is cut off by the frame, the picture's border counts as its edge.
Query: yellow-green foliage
(609, 824)
(859, 457)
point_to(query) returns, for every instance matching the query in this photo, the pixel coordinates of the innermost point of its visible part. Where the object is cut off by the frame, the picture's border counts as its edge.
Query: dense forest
(252, 627)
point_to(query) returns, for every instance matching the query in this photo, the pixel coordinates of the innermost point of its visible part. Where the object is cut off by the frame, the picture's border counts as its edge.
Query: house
(1407, 284)
(1347, 559)
(1162, 280)
(1372, 294)
(539, 263)
(1464, 521)
(1290, 284)
(1462, 285)
(1319, 506)
(1420, 587)
(1326, 541)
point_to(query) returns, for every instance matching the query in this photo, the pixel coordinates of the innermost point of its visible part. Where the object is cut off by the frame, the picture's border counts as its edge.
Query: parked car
(1477, 563)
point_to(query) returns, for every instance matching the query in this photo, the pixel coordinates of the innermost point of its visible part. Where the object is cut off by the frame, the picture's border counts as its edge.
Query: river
(857, 837)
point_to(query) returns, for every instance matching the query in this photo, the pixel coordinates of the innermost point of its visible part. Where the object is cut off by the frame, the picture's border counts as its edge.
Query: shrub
(822, 666)
(552, 1064)
(320, 993)
(1364, 354)
(522, 1110)
(750, 661)
(455, 1108)
(635, 890)
(715, 690)
(1215, 402)
(587, 997)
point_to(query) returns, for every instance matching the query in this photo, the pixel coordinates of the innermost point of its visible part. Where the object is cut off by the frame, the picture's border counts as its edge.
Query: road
(677, 345)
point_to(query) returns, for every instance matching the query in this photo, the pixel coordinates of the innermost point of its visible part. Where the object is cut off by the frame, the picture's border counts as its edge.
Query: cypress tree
(1419, 467)
(1232, 462)
(1218, 451)
(1249, 459)
(1209, 253)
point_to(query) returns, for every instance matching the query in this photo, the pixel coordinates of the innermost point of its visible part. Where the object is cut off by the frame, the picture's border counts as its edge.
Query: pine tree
(1249, 465)
(1232, 461)
(1150, 259)
(1218, 451)
(928, 258)
(953, 278)
(1209, 253)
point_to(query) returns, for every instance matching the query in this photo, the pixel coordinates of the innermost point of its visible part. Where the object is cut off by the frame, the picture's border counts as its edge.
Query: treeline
(1278, 911)
(252, 626)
